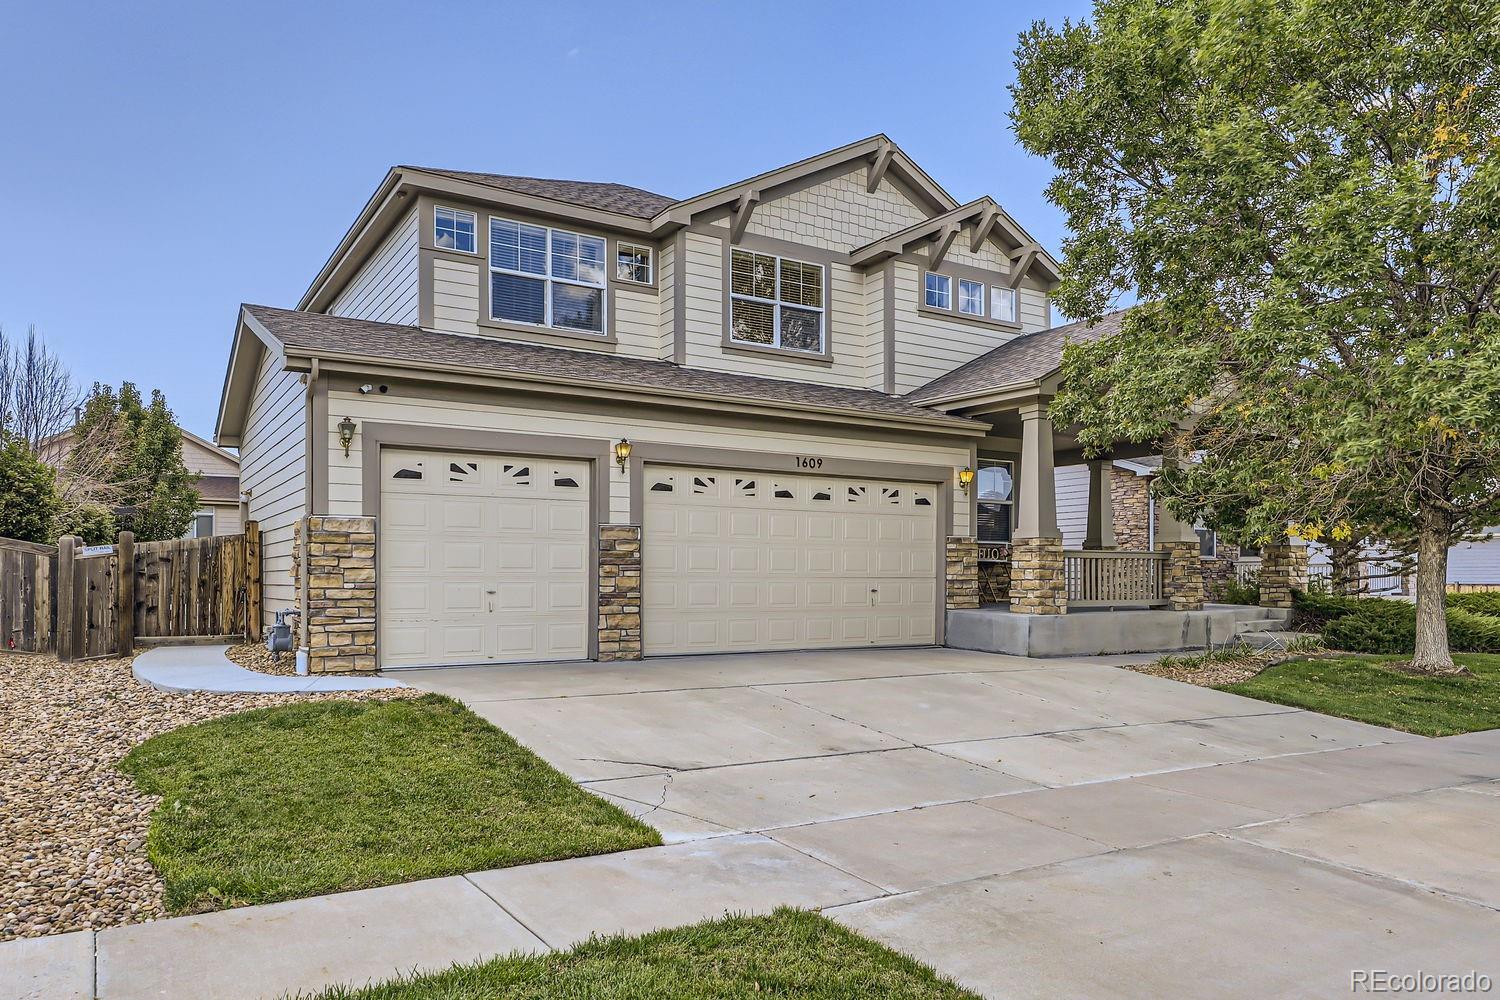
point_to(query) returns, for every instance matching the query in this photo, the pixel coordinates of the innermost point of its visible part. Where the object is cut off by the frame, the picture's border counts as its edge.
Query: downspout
(310, 490)
(1150, 516)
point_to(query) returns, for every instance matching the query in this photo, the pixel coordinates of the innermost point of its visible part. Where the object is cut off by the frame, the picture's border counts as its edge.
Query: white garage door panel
(482, 559)
(740, 561)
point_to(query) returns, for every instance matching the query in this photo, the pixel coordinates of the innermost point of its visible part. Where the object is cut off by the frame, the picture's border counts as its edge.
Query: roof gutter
(326, 360)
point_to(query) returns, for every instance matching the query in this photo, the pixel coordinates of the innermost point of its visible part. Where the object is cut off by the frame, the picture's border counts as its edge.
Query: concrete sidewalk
(207, 668)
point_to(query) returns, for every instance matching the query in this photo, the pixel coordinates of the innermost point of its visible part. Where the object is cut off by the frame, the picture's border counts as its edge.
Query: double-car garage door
(486, 559)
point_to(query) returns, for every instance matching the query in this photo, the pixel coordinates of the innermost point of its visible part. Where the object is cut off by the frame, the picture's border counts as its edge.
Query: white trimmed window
(970, 297)
(995, 500)
(775, 302)
(633, 263)
(202, 525)
(939, 294)
(453, 229)
(1003, 303)
(546, 277)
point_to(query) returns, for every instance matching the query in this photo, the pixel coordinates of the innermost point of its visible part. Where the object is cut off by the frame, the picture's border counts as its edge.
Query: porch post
(1100, 531)
(1182, 577)
(1037, 586)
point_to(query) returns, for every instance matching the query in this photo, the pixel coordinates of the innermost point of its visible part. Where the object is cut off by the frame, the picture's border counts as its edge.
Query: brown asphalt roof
(411, 345)
(619, 198)
(1017, 362)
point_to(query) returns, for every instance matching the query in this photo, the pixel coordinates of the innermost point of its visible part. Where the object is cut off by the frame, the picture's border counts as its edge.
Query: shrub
(1391, 627)
(1235, 592)
(1478, 603)
(1317, 609)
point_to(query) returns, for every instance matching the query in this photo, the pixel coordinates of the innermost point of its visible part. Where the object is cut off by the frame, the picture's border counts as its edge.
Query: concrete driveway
(1041, 828)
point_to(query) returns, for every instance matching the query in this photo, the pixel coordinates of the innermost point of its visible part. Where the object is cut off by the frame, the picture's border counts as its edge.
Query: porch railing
(1106, 577)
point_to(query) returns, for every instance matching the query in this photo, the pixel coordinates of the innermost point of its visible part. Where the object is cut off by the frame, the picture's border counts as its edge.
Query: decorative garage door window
(737, 561)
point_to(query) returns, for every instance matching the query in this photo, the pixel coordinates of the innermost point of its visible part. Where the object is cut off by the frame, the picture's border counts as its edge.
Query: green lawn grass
(791, 953)
(1363, 688)
(301, 800)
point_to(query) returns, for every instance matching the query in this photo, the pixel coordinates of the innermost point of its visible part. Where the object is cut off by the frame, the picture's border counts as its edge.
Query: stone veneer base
(619, 621)
(340, 564)
(1037, 586)
(962, 572)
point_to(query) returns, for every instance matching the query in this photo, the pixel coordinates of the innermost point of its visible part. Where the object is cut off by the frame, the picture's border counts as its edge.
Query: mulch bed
(72, 826)
(1219, 672)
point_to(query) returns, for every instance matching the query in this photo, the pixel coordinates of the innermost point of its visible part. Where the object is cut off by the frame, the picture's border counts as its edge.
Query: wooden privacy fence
(28, 595)
(87, 601)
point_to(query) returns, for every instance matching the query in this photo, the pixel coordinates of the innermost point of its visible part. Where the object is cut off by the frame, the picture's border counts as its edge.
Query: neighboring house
(218, 488)
(763, 402)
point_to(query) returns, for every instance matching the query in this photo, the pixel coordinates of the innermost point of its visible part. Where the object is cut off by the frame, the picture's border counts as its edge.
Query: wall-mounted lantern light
(622, 452)
(966, 478)
(346, 434)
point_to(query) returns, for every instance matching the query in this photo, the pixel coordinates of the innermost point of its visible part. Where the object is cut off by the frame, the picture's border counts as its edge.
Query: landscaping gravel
(255, 656)
(72, 826)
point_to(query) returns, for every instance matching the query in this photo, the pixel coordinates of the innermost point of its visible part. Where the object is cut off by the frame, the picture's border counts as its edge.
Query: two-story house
(542, 420)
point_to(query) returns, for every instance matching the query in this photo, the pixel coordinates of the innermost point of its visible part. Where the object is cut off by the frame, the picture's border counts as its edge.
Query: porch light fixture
(966, 478)
(346, 434)
(622, 452)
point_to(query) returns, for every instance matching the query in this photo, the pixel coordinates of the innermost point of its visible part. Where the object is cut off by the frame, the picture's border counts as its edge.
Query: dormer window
(633, 263)
(775, 302)
(546, 277)
(939, 291)
(453, 230)
(1003, 303)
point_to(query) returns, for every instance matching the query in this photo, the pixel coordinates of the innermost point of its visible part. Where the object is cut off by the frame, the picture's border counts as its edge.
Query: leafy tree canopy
(156, 494)
(1306, 195)
(28, 493)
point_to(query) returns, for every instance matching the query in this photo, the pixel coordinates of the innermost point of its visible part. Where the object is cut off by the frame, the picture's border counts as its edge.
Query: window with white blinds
(546, 277)
(775, 302)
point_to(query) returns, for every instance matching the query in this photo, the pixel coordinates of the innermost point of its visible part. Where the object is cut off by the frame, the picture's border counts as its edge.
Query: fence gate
(28, 595)
(192, 587)
(86, 599)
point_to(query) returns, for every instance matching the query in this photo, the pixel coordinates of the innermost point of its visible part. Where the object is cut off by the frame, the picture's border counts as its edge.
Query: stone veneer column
(1283, 569)
(963, 572)
(619, 592)
(1182, 576)
(1037, 584)
(340, 567)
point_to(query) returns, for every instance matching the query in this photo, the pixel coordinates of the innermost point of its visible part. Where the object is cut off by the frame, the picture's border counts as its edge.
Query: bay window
(546, 277)
(775, 302)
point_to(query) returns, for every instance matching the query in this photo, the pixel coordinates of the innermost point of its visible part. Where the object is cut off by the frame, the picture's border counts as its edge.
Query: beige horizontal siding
(345, 491)
(272, 469)
(455, 296)
(927, 347)
(637, 322)
(386, 288)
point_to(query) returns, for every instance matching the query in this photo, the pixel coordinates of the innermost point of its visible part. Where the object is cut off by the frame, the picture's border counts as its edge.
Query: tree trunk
(1432, 655)
(1345, 569)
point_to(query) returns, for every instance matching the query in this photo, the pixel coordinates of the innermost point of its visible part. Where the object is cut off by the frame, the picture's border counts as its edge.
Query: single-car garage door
(739, 561)
(483, 559)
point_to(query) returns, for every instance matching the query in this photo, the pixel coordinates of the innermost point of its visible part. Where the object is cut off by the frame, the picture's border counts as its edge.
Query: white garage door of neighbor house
(483, 559)
(740, 561)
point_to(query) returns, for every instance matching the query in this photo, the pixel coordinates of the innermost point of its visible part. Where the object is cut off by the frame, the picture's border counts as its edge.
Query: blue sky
(164, 162)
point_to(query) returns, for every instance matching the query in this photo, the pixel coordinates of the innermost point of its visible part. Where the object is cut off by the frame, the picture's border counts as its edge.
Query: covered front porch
(1030, 582)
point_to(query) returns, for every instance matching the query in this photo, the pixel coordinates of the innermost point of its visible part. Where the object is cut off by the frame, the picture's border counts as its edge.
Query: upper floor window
(633, 263)
(970, 297)
(775, 302)
(453, 229)
(546, 277)
(939, 291)
(1002, 304)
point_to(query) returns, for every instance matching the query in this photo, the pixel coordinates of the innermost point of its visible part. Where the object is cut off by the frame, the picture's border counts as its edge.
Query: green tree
(137, 447)
(28, 493)
(1306, 195)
